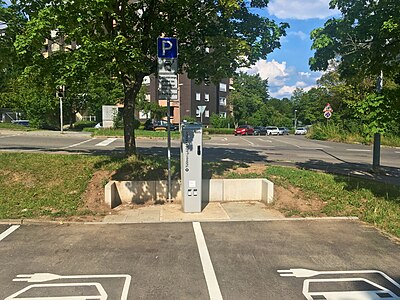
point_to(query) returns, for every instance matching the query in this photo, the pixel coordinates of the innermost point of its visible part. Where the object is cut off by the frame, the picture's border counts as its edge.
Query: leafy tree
(364, 41)
(249, 94)
(118, 38)
(220, 122)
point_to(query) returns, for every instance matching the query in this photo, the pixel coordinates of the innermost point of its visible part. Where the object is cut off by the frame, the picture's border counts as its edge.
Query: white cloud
(305, 74)
(283, 79)
(300, 34)
(301, 84)
(275, 72)
(287, 90)
(301, 10)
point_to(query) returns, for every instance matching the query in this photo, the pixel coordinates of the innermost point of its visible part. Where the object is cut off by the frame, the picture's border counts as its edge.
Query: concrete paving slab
(250, 211)
(212, 211)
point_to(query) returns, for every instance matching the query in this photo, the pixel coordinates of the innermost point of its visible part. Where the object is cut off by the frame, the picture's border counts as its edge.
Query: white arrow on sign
(201, 108)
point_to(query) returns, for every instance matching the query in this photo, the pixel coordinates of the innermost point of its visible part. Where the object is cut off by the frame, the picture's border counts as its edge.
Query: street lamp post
(295, 119)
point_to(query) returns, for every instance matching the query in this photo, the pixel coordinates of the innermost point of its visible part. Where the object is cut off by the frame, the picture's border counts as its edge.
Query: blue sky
(287, 68)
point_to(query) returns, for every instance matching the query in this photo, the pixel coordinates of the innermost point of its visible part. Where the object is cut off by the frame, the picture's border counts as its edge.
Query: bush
(218, 130)
(80, 125)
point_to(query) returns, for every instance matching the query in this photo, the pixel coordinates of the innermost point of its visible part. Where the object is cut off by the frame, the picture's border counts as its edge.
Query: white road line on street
(7, 136)
(106, 142)
(286, 142)
(251, 143)
(397, 152)
(219, 144)
(359, 150)
(208, 269)
(78, 144)
(8, 231)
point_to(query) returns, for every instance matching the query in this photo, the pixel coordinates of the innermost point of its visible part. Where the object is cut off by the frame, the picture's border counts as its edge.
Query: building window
(147, 97)
(198, 115)
(206, 97)
(198, 96)
(222, 87)
(207, 114)
(222, 101)
(222, 115)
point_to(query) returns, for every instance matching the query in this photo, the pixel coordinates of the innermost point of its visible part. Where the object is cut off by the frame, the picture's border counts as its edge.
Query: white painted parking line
(264, 140)
(106, 142)
(286, 142)
(78, 144)
(208, 269)
(251, 143)
(8, 231)
(359, 150)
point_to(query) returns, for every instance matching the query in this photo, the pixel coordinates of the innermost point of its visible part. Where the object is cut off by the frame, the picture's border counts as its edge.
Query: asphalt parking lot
(285, 259)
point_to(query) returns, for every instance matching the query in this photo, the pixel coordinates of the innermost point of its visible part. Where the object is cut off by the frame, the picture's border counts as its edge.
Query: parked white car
(272, 130)
(300, 130)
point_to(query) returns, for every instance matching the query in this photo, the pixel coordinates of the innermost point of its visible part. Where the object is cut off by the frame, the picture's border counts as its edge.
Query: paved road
(291, 150)
(227, 260)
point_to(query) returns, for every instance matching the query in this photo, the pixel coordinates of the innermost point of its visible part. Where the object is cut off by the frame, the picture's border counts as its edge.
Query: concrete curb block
(214, 190)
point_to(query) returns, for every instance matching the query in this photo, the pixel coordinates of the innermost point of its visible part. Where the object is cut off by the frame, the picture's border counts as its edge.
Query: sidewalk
(214, 211)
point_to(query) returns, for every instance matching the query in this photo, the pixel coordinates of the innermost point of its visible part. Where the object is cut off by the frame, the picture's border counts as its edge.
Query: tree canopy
(118, 38)
(361, 44)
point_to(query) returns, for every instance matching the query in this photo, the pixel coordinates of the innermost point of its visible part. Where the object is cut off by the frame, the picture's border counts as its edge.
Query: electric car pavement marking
(374, 292)
(44, 277)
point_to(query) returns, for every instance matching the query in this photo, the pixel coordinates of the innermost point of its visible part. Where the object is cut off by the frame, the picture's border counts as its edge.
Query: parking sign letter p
(166, 45)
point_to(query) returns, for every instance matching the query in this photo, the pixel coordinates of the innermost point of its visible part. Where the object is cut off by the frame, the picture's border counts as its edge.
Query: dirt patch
(93, 197)
(292, 202)
(251, 169)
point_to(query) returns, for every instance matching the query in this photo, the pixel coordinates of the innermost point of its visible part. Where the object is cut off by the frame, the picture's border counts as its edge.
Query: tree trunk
(131, 90)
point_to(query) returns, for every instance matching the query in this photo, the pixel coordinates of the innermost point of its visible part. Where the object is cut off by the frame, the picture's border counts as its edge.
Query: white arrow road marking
(106, 142)
(208, 269)
(78, 144)
(8, 231)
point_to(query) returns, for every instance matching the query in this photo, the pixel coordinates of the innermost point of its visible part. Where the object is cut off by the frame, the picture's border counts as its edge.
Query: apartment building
(199, 101)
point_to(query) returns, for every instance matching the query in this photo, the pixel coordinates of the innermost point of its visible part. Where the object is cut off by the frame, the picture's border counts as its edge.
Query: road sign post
(167, 53)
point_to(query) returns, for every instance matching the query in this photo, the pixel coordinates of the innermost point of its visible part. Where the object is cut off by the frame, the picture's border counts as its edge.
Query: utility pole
(61, 94)
(295, 119)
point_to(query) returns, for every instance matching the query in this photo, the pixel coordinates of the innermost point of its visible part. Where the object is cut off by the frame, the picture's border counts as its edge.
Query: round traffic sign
(327, 114)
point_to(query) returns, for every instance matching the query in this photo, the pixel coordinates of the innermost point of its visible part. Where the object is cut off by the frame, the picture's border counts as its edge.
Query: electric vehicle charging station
(191, 167)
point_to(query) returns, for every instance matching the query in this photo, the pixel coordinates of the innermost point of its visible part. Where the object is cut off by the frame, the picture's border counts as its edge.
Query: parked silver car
(300, 130)
(283, 131)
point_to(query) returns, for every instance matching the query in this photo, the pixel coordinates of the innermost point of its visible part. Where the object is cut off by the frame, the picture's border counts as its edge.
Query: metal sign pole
(167, 53)
(61, 114)
(169, 146)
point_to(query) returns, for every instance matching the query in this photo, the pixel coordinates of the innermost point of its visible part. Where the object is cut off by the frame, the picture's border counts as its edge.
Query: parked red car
(244, 130)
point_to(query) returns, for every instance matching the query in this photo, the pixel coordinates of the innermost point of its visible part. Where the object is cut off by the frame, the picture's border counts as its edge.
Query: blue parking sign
(167, 47)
